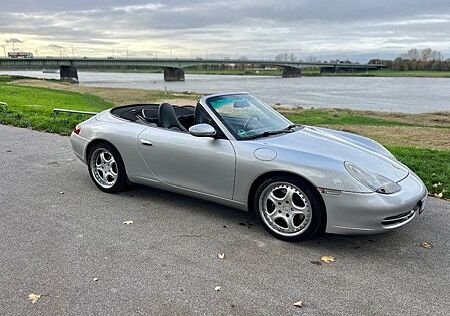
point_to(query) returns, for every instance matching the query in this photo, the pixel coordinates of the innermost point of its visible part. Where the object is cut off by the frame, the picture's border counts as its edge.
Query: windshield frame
(232, 131)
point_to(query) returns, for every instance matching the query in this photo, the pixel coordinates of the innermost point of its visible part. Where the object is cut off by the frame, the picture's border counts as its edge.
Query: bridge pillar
(68, 73)
(173, 74)
(291, 72)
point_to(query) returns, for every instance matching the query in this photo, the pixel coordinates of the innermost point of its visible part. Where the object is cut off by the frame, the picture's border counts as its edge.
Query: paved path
(166, 261)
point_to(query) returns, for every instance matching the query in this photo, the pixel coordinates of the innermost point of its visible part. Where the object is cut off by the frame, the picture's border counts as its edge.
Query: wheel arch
(96, 141)
(261, 178)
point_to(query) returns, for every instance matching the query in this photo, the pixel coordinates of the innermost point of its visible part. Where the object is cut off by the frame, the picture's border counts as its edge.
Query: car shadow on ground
(351, 244)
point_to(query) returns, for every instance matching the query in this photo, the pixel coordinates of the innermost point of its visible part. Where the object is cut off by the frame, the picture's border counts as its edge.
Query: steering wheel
(247, 122)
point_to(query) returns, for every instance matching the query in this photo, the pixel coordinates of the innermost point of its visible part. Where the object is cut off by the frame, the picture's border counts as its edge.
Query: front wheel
(106, 168)
(289, 208)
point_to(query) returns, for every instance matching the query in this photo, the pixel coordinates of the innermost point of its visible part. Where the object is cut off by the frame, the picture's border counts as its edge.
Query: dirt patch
(117, 96)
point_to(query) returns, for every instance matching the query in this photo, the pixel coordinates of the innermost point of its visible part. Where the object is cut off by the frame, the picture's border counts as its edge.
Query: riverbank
(422, 141)
(317, 73)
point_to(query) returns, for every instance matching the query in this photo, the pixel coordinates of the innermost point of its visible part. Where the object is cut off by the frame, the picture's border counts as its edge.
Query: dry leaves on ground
(426, 245)
(298, 304)
(128, 222)
(34, 298)
(328, 259)
(221, 255)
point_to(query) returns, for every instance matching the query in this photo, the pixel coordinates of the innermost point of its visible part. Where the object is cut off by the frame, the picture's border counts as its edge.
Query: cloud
(256, 28)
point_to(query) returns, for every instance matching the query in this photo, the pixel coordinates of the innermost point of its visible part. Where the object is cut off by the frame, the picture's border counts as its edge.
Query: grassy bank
(421, 141)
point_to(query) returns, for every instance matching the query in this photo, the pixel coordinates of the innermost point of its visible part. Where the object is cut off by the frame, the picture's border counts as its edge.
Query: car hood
(341, 146)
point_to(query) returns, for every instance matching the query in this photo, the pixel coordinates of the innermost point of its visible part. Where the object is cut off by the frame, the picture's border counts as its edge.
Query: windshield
(247, 117)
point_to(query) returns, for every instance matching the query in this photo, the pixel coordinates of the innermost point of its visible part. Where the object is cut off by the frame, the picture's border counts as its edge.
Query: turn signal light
(77, 130)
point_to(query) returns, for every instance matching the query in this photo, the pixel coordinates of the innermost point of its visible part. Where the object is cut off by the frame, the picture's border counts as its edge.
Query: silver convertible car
(235, 150)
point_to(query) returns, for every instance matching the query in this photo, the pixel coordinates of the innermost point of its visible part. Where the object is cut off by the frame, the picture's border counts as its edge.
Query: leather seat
(200, 116)
(168, 119)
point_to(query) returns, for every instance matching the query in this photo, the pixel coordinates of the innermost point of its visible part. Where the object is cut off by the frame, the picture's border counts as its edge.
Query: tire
(106, 168)
(289, 208)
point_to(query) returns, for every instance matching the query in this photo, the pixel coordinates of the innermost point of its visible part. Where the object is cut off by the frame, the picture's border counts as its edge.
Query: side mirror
(202, 130)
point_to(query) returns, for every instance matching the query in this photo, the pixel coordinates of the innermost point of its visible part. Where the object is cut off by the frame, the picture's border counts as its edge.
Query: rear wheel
(106, 168)
(288, 207)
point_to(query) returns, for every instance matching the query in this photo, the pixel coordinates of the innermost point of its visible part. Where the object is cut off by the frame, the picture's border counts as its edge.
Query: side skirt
(171, 188)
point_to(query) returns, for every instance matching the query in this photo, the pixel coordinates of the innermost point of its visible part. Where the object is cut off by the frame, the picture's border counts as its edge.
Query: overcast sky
(355, 29)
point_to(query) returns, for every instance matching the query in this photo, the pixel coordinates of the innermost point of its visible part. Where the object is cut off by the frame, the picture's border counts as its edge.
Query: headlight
(373, 181)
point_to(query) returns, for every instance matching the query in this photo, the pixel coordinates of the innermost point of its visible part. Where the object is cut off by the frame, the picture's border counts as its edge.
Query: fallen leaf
(298, 304)
(439, 195)
(95, 279)
(34, 297)
(221, 255)
(128, 222)
(328, 259)
(426, 245)
(217, 288)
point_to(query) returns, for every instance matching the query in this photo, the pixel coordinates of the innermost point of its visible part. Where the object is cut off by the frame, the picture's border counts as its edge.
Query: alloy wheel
(285, 209)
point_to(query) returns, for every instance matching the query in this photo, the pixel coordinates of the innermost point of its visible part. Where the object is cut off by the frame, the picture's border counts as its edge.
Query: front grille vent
(398, 219)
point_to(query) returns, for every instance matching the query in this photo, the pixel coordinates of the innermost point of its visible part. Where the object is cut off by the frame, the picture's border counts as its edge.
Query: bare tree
(412, 54)
(13, 41)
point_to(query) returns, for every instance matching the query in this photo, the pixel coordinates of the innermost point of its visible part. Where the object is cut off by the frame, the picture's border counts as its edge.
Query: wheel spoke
(108, 158)
(274, 215)
(299, 210)
(289, 194)
(102, 157)
(113, 168)
(290, 223)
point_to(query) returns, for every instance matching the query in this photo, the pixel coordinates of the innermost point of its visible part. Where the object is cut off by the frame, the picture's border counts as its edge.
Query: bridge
(173, 68)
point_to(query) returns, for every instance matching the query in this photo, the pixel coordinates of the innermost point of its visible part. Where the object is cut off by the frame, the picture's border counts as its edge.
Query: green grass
(409, 73)
(33, 107)
(432, 166)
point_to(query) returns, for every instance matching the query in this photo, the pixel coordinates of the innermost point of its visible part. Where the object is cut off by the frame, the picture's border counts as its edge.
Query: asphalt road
(58, 232)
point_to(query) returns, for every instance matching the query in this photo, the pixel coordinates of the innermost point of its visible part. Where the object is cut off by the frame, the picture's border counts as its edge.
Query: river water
(412, 95)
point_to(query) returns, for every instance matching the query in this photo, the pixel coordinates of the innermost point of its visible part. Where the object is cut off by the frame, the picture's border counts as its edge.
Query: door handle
(145, 142)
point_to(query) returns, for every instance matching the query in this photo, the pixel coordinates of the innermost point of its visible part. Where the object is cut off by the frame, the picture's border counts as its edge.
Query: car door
(202, 164)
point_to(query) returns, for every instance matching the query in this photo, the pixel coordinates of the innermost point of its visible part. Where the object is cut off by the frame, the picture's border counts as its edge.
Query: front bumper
(371, 213)
(79, 145)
